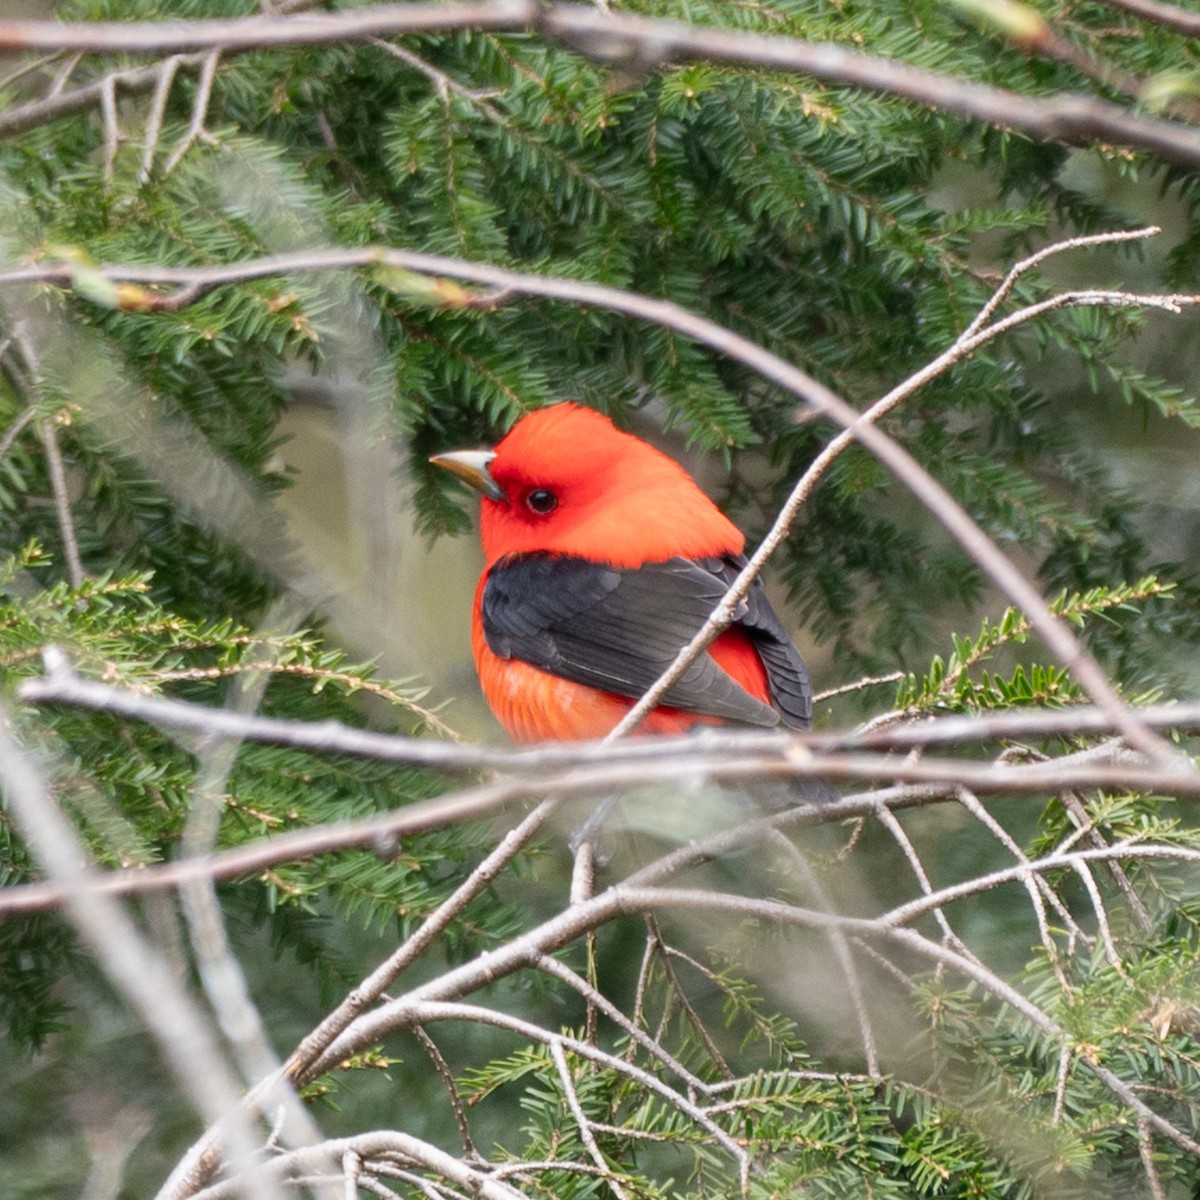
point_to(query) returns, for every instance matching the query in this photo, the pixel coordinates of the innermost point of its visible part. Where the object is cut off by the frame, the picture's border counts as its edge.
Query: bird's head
(565, 480)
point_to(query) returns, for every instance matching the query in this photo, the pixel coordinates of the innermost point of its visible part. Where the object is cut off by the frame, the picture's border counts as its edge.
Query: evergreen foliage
(851, 233)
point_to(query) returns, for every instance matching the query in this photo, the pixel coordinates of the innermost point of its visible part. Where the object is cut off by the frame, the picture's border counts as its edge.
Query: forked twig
(582, 1124)
(195, 130)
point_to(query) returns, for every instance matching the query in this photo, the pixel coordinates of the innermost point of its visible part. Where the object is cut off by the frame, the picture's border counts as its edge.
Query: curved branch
(641, 899)
(329, 1157)
(1055, 633)
(638, 43)
(416, 1009)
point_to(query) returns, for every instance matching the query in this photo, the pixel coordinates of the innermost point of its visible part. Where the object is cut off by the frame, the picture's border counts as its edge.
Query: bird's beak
(471, 466)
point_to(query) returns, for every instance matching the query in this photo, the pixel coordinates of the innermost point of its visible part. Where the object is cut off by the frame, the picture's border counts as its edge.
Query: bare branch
(64, 73)
(564, 974)
(14, 431)
(62, 502)
(444, 83)
(1073, 803)
(1106, 938)
(724, 613)
(597, 768)
(1146, 1152)
(858, 685)
(1056, 861)
(59, 103)
(581, 1120)
(636, 42)
(1166, 15)
(423, 1005)
(1026, 265)
(1073, 119)
(158, 107)
(667, 956)
(112, 128)
(195, 131)
(442, 1069)
(769, 910)
(62, 686)
(266, 31)
(141, 975)
(372, 988)
(889, 821)
(329, 1157)
(1037, 887)
(1054, 632)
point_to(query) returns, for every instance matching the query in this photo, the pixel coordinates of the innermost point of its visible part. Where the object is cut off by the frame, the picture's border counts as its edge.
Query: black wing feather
(619, 629)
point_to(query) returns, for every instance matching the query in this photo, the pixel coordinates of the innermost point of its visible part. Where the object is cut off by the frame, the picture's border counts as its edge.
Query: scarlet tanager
(603, 559)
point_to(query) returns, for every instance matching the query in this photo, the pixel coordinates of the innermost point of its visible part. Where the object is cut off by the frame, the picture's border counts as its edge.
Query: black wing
(620, 629)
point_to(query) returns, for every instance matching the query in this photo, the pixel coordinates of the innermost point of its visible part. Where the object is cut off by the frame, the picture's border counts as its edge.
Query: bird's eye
(541, 501)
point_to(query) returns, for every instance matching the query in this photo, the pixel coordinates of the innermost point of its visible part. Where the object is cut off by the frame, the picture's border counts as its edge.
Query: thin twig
(330, 1155)
(858, 685)
(637, 1036)
(1088, 832)
(636, 42)
(1065, 1055)
(1026, 265)
(371, 988)
(158, 108)
(23, 420)
(27, 67)
(862, 430)
(1146, 1153)
(840, 945)
(419, 1007)
(1166, 15)
(581, 1120)
(61, 685)
(1037, 887)
(1110, 949)
(195, 131)
(141, 975)
(888, 820)
(62, 502)
(112, 129)
(432, 1189)
(642, 898)
(59, 103)
(63, 74)
(902, 914)
(441, 81)
(677, 996)
(442, 1068)
(1054, 631)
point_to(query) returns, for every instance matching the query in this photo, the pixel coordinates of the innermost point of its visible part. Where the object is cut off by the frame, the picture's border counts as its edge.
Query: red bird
(603, 559)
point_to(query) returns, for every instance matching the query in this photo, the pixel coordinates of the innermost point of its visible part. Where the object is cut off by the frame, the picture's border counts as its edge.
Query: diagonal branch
(142, 976)
(1055, 633)
(330, 1156)
(975, 336)
(1166, 15)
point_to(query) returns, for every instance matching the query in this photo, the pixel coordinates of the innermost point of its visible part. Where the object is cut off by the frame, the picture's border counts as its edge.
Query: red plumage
(603, 558)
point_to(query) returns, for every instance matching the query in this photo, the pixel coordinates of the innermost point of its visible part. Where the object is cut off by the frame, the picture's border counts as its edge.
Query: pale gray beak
(471, 466)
